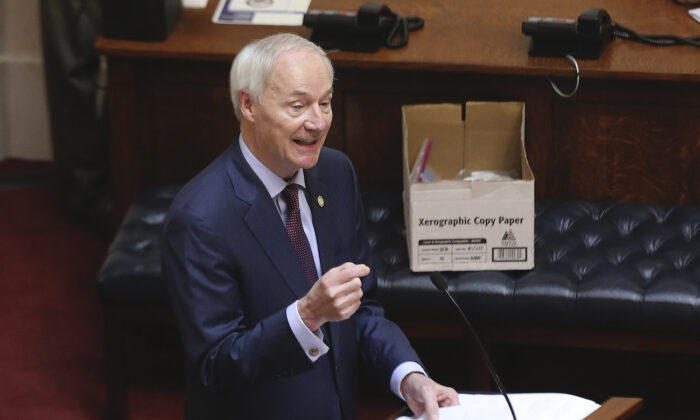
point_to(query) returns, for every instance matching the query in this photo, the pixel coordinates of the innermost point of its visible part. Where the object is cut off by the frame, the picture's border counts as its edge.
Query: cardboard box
(454, 224)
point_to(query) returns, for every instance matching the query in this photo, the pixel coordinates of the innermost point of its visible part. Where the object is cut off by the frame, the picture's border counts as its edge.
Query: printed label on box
(452, 250)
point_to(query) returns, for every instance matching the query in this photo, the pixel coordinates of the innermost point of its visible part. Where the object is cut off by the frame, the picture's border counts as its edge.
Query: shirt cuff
(310, 341)
(400, 372)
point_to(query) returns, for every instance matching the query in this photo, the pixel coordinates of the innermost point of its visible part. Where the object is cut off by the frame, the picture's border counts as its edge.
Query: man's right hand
(334, 297)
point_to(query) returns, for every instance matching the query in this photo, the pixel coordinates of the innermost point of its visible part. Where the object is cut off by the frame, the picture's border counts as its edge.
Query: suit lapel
(275, 241)
(265, 223)
(319, 202)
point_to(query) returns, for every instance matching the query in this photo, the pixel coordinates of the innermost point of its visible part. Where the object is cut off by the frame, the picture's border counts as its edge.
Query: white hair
(252, 66)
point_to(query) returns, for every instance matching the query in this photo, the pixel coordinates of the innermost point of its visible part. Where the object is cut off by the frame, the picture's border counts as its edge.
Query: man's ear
(246, 105)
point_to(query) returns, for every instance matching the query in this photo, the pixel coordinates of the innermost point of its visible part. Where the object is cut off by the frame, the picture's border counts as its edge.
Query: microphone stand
(440, 283)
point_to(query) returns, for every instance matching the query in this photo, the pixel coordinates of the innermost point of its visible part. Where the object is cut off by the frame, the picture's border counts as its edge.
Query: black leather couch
(627, 266)
(615, 275)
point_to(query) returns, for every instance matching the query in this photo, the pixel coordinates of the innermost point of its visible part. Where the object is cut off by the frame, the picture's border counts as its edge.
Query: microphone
(440, 282)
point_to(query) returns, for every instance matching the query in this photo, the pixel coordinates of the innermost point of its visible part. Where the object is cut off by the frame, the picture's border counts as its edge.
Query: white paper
(194, 4)
(695, 13)
(261, 12)
(544, 406)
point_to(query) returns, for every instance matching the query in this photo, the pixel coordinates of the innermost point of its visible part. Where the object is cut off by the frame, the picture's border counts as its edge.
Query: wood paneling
(625, 148)
(203, 115)
(626, 153)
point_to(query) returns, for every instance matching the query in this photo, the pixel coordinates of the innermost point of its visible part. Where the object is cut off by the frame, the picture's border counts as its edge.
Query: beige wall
(24, 125)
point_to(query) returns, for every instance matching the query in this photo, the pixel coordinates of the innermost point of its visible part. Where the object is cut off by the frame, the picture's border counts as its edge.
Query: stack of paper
(527, 407)
(194, 4)
(261, 12)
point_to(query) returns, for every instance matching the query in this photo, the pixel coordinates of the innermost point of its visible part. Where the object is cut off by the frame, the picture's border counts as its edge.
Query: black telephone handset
(596, 23)
(584, 38)
(373, 26)
(373, 14)
(369, 19)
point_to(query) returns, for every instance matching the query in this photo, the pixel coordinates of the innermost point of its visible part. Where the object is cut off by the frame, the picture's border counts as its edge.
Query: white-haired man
(268, 261)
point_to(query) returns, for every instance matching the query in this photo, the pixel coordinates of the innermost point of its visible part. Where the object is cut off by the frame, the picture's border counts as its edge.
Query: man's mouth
(305, 142)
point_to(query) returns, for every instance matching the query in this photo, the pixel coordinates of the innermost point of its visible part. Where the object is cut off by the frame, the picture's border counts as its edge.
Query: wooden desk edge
(126, 49)
(614, 408)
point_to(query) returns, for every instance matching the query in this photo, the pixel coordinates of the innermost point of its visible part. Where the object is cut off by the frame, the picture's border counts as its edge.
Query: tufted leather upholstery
(618, 265)
(131, 272)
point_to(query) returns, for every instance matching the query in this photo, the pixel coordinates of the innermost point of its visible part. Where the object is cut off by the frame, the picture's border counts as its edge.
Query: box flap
(442, 124)
(527, 174)
(493, 136)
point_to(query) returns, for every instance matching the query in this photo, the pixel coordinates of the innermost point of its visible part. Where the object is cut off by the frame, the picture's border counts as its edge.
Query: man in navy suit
(268, 263)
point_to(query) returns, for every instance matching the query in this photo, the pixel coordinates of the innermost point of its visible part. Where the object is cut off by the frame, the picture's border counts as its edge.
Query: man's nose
(316, 119)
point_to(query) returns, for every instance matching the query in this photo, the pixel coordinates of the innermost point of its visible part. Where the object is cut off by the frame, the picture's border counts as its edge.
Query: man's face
(292, 119)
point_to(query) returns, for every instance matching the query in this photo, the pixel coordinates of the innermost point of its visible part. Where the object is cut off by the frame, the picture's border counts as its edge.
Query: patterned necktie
(295, 230)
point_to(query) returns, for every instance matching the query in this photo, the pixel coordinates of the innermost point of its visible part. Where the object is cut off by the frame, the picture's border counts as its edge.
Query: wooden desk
(631, 133)
(616, 408)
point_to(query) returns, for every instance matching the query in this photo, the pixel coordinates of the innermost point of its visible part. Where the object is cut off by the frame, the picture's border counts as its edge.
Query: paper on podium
(540, 406)
(194, 4)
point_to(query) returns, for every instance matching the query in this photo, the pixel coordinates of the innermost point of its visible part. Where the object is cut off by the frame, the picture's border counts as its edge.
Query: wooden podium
(614, 408)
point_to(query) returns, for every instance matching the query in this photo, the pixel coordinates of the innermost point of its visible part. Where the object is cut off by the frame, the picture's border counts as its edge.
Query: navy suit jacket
(232, 271)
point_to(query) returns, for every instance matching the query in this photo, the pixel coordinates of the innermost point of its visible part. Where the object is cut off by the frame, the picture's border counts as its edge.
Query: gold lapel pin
(320, 200)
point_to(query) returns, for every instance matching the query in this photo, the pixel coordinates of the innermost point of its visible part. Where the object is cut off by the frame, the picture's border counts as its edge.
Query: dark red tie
(295, 230)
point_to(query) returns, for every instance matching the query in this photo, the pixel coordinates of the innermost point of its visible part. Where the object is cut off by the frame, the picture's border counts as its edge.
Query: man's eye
(297, 107)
